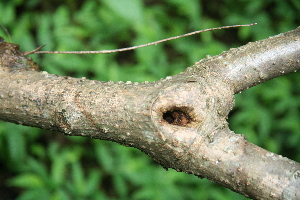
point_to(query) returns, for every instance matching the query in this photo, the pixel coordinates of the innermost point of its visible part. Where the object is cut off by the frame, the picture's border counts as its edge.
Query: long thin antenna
(139, 46)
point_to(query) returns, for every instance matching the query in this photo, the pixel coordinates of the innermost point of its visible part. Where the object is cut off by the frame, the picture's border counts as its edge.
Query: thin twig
(33, 51)
(139, 46)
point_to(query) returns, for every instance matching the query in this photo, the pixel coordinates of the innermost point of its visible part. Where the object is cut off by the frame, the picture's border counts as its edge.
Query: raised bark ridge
(179, 121)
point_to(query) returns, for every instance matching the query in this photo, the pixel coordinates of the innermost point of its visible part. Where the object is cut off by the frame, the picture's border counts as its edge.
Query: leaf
(44, 34)
(16, 146)
(78, 178)
(132, 10)
(8, 14)
(41, 194)
(27, 180)
(37, 167)
(92, 182)
(104, 156)
(58, 171)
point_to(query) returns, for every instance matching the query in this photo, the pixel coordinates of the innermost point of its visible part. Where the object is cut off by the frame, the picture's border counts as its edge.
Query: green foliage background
(40, 164)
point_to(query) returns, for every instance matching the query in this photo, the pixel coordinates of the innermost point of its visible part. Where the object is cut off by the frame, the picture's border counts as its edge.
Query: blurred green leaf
(45, 35)
(27, 180)
(8, 13)
(16, 145)
(40, 193)
(104, 157)
(58, 170)
(132, 10)
(78, 178)
(38, 168)
(92, 182)
(39, 151)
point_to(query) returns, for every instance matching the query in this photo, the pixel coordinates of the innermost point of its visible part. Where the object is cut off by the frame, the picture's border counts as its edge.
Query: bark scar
(85, 113)
(63, 123)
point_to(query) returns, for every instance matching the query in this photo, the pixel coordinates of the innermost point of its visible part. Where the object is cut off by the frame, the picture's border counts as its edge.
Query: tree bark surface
(179, 121)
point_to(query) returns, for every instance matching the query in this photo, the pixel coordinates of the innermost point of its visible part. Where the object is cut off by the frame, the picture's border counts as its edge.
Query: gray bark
(179, 121)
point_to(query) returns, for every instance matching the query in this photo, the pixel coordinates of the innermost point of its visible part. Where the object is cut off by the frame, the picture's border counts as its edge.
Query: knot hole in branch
(177, 116)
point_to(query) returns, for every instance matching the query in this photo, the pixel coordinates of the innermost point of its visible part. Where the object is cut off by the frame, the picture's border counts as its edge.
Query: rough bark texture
(179, 121)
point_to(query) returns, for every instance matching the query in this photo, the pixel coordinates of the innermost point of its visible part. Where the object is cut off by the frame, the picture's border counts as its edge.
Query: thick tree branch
(256, 62)
(179, 121)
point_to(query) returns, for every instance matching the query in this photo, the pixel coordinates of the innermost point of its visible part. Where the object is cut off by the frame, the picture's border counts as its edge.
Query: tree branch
(179, 121)
(256, 62)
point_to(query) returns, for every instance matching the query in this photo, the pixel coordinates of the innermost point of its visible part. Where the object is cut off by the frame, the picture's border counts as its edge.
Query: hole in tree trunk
(177, 117)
